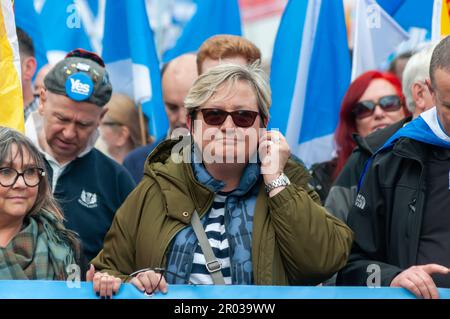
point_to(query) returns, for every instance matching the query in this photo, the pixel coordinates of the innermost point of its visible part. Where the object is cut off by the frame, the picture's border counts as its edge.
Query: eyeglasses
(389, 103)
(31, 176)
(161, 271)
(241, 118)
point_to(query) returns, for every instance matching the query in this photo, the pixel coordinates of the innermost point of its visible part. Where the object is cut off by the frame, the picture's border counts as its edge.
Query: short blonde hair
(208, 83)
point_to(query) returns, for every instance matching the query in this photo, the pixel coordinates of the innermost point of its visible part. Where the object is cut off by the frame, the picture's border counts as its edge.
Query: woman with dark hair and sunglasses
(239, 212)
(373, 101)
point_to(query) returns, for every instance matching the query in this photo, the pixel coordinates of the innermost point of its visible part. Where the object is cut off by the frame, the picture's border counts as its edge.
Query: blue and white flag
(59, 26)
(211, 18)
(131, 60)
(376, 36)
(62, 28)
(28, 20)
(410, 13)
(309, 76)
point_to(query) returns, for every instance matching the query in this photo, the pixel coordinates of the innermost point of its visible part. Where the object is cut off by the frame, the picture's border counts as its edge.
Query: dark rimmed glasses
(389, 103)
(32, 176)
(161, 271)
(216, 117)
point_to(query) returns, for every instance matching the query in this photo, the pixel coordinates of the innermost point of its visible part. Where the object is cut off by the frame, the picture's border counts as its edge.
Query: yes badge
(79, 86)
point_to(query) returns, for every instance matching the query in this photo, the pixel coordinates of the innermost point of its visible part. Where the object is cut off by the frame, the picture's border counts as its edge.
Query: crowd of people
(221, 199)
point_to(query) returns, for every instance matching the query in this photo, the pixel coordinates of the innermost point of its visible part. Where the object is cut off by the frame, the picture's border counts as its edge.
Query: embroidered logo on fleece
(88, 200)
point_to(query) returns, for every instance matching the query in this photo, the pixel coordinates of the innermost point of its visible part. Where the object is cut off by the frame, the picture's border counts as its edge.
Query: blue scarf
(426, 129)
(239, 211)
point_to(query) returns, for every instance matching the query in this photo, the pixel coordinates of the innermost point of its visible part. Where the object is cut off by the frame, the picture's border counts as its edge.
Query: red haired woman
(373, 101)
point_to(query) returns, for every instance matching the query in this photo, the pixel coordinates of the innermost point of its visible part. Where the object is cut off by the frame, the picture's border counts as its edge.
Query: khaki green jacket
(295, 242)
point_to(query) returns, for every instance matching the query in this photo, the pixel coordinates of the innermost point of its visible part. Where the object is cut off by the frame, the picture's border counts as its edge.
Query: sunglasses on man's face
(241, 118)
(389, 103)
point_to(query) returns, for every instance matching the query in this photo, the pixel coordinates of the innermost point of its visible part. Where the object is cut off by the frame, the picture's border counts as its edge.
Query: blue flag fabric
(410, 13)
(62, 29)
(130, 56)
(211, 18)
(309, 76)
(28, 20)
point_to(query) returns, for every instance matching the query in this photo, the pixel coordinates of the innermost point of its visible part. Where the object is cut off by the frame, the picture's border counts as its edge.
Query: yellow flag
(11, 101)
(445, 19)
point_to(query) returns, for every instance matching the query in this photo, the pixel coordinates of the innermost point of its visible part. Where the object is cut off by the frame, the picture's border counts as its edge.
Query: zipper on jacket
(412, 216)
(412, 205)
(412, 210)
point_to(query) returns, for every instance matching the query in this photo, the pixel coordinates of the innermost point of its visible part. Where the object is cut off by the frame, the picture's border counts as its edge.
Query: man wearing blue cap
(89, 186)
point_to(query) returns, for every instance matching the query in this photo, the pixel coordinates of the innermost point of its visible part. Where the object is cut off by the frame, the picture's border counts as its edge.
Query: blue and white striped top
(215, 231)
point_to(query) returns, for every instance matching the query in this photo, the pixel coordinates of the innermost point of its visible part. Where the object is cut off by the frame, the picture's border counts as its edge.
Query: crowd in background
(88, 185)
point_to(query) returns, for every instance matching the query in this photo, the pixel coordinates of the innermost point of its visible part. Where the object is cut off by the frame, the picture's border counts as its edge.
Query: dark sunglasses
(241, 118)
(389, 103)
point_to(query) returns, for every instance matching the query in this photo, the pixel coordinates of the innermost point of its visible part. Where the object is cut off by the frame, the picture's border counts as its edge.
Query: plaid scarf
(41, 250)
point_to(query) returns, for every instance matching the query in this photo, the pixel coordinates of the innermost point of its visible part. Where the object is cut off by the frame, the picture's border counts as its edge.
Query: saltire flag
(28, 20)
(131, 60)
(410, 13)
(62, 29)
(310, 74)
(211, 18)
(441, 19)
(11, 101)
(376, 36)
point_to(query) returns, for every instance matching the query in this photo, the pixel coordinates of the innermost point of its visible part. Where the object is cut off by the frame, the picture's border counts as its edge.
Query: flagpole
(142, 126)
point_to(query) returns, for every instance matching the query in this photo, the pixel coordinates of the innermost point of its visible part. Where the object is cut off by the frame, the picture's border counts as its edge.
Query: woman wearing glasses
(233, 208)
(373, 101)
(33, 241)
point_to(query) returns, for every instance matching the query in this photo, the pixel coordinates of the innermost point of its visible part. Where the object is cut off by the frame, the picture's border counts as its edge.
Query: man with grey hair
(418, 98)
(217, 219)
(400, 217)
(414, 87)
